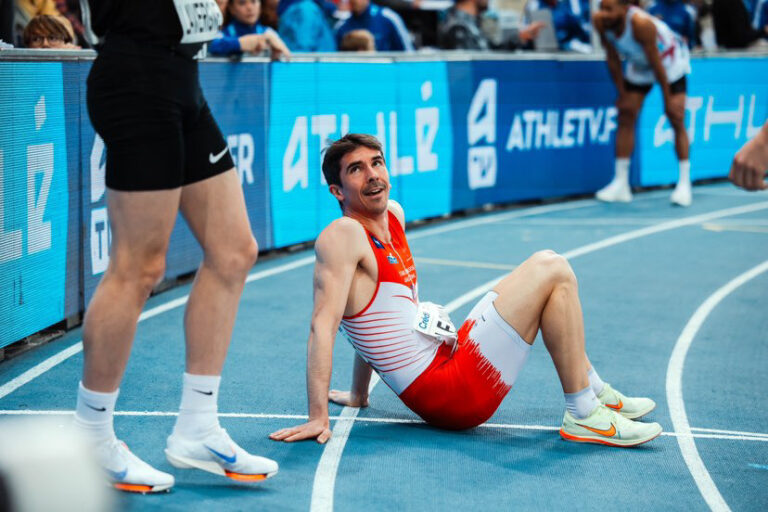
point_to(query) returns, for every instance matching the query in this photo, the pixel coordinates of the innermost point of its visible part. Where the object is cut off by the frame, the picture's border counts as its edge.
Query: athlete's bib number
(433, 320)
(200, 20)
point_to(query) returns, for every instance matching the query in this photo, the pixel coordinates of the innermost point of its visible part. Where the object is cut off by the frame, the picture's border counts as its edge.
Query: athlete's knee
(554, 268)
(235, 260)
(142, 272)
(628, 115)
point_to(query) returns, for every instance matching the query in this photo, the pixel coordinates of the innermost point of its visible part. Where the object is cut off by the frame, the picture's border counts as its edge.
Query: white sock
(95, 412)
(622, 171)
(595, 381)
(685, 172)
(198, 411)
(581, 403)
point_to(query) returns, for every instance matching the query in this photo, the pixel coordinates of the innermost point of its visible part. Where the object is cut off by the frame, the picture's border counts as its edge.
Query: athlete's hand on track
(318, 430)
(346, 398)
(751, 162)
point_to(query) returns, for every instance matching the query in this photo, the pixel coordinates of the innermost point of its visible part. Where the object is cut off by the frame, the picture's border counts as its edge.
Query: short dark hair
(336, 151)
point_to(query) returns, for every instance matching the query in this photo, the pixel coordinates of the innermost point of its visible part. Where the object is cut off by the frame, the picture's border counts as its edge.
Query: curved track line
(324, 496)
(675, 401)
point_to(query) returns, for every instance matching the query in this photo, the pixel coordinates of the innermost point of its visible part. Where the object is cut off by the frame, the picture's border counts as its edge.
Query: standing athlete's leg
(542, 293)
(629, 104)
(215, 211)
(682, 194)
(141, 224)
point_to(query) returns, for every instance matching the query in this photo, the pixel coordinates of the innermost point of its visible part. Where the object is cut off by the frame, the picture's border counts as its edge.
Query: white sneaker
(127, 472)
(682, 196)
(629, 407)
(217, 453)
(617, 191)
(604, 426)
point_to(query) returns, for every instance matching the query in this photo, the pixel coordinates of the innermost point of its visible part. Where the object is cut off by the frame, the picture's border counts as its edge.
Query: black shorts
(147, 105)
(676, 87)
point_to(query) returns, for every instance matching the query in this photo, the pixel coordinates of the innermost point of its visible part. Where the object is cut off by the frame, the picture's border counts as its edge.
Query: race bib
(200, 20)
(433, 321)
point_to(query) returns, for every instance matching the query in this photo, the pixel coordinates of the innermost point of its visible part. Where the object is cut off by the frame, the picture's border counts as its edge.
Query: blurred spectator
(46, 31)
(358, 41)
(70, 9)
(268, 16)
(679, 16)
(760, 18)
(304, 26)
(733, 26)
(243, 33)
(569, 30)
(25, 10)
(387, 27)
(460, 30)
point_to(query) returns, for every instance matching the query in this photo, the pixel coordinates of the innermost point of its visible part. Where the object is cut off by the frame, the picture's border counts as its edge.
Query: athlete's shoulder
(397, 211)
(342, 234)
(643, 27)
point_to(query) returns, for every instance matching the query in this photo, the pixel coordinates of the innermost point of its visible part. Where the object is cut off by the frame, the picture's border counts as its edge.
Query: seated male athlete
(365, 282)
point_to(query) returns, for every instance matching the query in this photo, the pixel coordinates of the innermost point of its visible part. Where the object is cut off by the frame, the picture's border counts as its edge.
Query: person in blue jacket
(242, 32)
(386, 26)
(305, 26)
(571, 33)
(679, 16)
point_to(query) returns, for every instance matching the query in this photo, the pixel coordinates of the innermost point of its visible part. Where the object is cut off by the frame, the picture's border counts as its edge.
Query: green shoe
(627, 406)
(605, 426)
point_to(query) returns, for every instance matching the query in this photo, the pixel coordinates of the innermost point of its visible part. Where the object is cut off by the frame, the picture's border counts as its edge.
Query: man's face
(364, 182)
(612, 11)
(245, 11)
(359, 6)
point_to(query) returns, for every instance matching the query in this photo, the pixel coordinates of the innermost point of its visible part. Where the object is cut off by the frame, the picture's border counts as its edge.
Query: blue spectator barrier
(530, 129)
(406, 105)
(34, 199)
(457, 135)
(727, 104)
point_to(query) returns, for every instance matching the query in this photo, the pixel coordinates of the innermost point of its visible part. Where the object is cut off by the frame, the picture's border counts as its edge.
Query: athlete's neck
(620, 25)
(376, 224)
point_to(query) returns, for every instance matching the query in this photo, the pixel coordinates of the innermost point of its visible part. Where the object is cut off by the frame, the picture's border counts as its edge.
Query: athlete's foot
(218, 454)
(629, 407)
(604, 426)
(617, 191)
(682, 195)
(127, 472)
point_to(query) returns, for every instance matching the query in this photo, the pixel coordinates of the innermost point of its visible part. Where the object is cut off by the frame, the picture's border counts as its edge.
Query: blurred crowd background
(406, 25)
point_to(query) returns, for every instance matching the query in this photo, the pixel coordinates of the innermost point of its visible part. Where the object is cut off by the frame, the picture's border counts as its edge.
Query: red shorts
(462, 390)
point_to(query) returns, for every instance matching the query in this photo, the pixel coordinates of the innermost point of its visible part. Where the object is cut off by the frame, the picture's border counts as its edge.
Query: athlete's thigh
(141, 224)
(523, 293)
(215, 210)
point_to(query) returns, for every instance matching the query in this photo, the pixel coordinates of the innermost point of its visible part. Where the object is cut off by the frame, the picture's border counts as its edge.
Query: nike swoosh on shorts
(215, 158)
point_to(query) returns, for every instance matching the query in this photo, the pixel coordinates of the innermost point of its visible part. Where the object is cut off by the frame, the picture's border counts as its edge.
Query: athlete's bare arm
(751, 163)
(611, 55)
(339, 250)
(644, 32)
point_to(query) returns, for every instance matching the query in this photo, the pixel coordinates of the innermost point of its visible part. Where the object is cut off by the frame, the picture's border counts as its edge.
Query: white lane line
(675, 400)
(718, 228)
(730, 432)
(327, 493)
(348, 419)
(331, 457)
(58, 358)
(459, 263)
